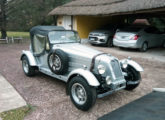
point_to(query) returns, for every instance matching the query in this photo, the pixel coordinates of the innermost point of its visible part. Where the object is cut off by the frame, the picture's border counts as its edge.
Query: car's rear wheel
(144, 47)
(82, 95)
(28, 70)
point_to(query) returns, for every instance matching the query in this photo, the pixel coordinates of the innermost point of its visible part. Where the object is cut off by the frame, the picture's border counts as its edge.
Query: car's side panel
(30, 57)
(91, 79)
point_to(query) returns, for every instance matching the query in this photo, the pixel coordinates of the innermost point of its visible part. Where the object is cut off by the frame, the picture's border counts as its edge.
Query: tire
(110, 42)
(133, 76)
(58, 62)
(88, 94)
(28, 70)
(144, 47)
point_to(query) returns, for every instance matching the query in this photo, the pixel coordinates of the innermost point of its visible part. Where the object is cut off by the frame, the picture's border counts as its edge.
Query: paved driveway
(48, 94)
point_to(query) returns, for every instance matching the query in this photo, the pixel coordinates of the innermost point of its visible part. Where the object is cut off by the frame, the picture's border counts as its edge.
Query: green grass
(16, 114)
(18, 34)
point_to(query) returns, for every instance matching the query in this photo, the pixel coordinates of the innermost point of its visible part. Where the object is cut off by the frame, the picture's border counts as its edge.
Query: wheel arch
(87, 75)
(30, 57)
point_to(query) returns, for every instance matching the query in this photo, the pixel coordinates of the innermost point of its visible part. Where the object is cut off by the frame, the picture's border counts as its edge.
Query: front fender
(133, 64)
(30, 57)
(90, 78)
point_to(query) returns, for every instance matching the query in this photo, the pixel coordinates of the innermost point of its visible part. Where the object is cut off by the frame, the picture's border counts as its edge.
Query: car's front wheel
(28, 70)
(133, 78)
(82, 95)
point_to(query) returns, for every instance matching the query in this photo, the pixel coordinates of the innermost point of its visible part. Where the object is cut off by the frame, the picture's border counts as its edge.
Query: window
(63, 37)
(38, 44)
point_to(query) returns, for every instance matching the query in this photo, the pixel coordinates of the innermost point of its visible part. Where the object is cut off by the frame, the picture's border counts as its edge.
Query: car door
(39, 50)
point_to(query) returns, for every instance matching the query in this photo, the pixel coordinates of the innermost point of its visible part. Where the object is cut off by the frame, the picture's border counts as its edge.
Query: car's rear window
(131, 29)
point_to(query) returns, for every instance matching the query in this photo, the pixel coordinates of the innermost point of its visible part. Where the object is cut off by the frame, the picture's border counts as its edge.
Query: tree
(3, 21)
(28, 13)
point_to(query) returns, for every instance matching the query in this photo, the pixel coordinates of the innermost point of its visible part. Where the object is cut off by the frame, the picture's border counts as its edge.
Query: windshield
(63, 37)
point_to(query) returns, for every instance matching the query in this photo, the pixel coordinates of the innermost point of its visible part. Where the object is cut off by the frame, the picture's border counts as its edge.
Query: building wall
(60, 21)
(86, 24)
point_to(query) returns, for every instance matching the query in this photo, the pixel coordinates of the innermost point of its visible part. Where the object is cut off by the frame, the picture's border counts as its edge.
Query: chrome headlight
(101, 69)
(108, 80)
(125, 64)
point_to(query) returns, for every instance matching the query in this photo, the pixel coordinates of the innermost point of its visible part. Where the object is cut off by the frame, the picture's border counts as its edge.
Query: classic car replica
(88, 73)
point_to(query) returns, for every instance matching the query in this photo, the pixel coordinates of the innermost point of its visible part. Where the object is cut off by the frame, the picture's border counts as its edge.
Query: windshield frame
(75, 32)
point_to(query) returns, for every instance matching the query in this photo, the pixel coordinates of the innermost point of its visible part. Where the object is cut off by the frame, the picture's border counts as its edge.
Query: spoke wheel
(58, 62)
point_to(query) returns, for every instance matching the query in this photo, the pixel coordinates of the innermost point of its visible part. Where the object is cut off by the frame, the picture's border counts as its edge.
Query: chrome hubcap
(79, 93)
(25, 66)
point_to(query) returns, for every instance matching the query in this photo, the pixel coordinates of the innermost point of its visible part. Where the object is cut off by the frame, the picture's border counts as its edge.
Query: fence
(13, 40)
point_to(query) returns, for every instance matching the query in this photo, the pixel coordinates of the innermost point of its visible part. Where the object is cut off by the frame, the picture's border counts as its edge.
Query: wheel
(28, 70)
(82, 95)
(110, 42)
(58, 62)
(144, 47)
(133, 76)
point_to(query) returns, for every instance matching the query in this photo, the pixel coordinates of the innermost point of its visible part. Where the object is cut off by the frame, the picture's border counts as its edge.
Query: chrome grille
(116, 68)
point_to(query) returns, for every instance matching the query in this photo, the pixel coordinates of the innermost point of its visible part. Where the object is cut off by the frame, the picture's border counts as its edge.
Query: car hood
(101, 31)
(77, 49)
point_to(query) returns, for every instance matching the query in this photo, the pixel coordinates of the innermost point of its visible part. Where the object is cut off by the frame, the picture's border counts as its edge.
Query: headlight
(108, 80)
(101, 69)
(125, 64)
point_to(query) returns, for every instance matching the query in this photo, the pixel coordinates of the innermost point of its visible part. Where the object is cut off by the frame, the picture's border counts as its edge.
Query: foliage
(3, 9)
(23, 14)
(17, 114)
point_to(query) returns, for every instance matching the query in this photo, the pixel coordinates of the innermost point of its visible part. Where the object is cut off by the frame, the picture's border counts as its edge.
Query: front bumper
(125, 44)
(115, 86)
(98, 40)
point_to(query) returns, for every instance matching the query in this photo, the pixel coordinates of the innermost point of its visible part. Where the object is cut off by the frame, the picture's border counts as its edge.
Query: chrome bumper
(98, 39)
(115, 86)
(125, 44)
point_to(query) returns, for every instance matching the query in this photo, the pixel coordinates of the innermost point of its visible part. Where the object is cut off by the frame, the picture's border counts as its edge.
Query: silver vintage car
(88, 73)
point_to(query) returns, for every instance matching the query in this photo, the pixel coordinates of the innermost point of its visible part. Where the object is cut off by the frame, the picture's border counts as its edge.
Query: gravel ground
(48, 94)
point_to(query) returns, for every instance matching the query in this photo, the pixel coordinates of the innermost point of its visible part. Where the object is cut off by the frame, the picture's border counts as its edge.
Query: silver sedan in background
(141, 37)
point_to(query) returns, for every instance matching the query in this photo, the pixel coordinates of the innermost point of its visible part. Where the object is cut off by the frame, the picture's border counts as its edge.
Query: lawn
(17, 34)
(17, 114)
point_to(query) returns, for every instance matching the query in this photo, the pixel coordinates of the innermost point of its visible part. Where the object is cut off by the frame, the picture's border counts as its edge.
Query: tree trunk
(3, 18)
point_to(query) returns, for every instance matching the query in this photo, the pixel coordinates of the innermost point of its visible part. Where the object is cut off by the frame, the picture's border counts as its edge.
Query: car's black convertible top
(43, 30)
